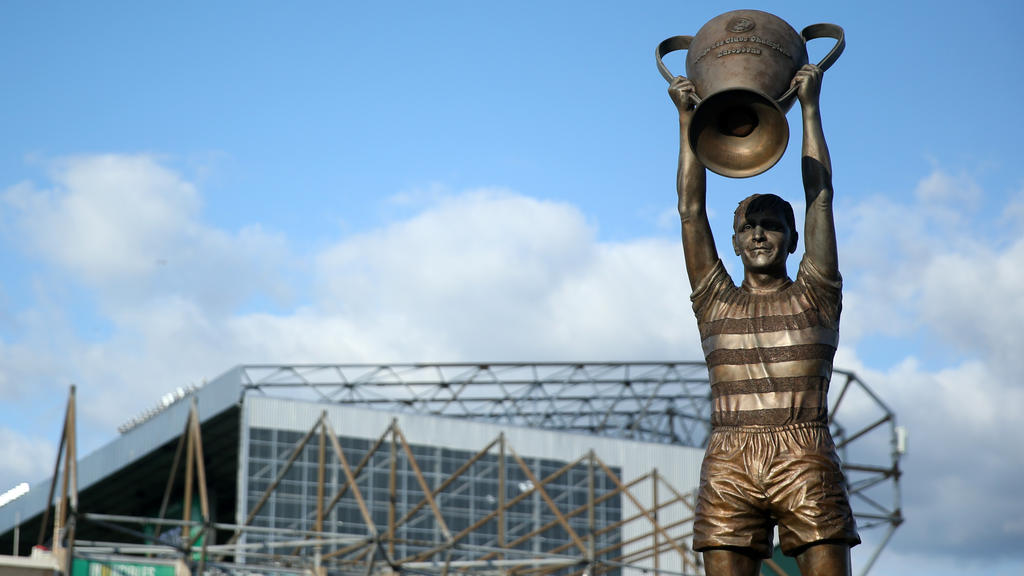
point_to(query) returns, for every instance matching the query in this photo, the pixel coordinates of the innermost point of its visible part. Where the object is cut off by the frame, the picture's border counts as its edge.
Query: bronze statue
(769, 345)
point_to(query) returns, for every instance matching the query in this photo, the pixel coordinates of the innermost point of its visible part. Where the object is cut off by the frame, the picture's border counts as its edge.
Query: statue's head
(764, 233)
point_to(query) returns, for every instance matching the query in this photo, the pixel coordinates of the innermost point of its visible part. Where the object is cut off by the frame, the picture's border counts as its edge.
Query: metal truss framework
(592, 549)
(654, 402)
(665, 402)
(586, 546)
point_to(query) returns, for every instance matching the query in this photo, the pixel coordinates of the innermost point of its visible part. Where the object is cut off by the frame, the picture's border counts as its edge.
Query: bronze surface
(742, 64)
(768, 342)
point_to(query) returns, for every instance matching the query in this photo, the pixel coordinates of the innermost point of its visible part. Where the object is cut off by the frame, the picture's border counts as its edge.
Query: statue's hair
(767, 203)
(763, 203)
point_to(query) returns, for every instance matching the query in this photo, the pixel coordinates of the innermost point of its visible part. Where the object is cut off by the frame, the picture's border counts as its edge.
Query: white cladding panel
(679, 464)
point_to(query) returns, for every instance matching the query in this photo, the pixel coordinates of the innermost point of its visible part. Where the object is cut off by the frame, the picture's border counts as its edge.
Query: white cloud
(922, 266)
(974, 299)
(1013, 214)
(129, 228)
(919, 271)
(896, 250)
(967, 421)
(495, 275)
(25, 458)
(484, 275)
(894, 561)
(941, 190)
(109, 217)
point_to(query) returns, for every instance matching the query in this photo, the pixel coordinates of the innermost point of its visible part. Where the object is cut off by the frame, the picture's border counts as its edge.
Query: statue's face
(763, 241)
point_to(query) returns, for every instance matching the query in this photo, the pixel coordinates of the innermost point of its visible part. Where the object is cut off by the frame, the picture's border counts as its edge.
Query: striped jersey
(769, 354)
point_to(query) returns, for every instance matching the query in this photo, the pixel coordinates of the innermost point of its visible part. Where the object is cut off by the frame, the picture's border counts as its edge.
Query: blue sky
(189, 186)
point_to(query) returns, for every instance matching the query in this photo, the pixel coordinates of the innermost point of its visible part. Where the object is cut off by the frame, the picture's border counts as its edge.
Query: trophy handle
(671, 45)
(813, 32)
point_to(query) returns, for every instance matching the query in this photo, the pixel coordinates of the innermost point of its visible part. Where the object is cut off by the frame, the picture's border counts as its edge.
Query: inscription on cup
(745, 50)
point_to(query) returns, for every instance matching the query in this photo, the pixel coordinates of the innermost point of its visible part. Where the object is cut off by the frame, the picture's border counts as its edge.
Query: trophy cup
(742, 65)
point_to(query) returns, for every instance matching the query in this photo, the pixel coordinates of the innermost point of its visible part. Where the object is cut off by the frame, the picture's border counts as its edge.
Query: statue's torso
(769, 354)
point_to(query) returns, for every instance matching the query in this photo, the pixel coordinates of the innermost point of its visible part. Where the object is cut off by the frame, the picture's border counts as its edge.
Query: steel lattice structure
(654, 402)
(665, 402)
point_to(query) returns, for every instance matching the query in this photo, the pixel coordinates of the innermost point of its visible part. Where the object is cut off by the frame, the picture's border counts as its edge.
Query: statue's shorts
(756, 477)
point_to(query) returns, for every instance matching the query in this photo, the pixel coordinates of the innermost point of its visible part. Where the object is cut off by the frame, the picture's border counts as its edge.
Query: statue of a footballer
(769, 345)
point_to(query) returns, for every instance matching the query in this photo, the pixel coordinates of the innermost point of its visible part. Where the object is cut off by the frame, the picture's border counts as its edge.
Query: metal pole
(200, 464)
(186, 505)
(538, 485)
(878, 550)
(62, 507)
(363, 509)
(427, 492)
(654, 511)
(447, 482)
(320, 476)
(591, 513)
(644, 511)
(53, 481)
(501, 493)
(71, 471)
(273, 485)
(392, 491)
(174, 471)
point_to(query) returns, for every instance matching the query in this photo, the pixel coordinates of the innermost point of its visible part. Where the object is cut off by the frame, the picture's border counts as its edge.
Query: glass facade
(530, 524)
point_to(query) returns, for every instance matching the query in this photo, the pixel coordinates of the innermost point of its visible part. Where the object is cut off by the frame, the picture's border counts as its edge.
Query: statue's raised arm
(691, 187)
(819, 224)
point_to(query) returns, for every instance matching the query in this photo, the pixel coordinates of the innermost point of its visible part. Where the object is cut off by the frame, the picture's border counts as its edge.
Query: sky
(189, 186)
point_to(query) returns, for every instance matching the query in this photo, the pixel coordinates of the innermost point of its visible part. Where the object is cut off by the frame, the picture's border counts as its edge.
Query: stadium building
(531, 469)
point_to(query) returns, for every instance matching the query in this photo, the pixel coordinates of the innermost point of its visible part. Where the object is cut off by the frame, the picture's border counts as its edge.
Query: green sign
(786, 564)
(94, 567)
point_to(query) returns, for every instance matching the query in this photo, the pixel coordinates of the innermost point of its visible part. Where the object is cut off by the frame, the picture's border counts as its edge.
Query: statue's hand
(808, 84)
(683, 93)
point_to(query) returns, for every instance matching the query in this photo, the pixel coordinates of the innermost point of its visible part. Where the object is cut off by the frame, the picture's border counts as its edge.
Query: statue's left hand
(682, 92)
(808, 84)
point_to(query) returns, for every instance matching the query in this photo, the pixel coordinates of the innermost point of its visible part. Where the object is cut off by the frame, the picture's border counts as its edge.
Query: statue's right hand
(683, 93)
